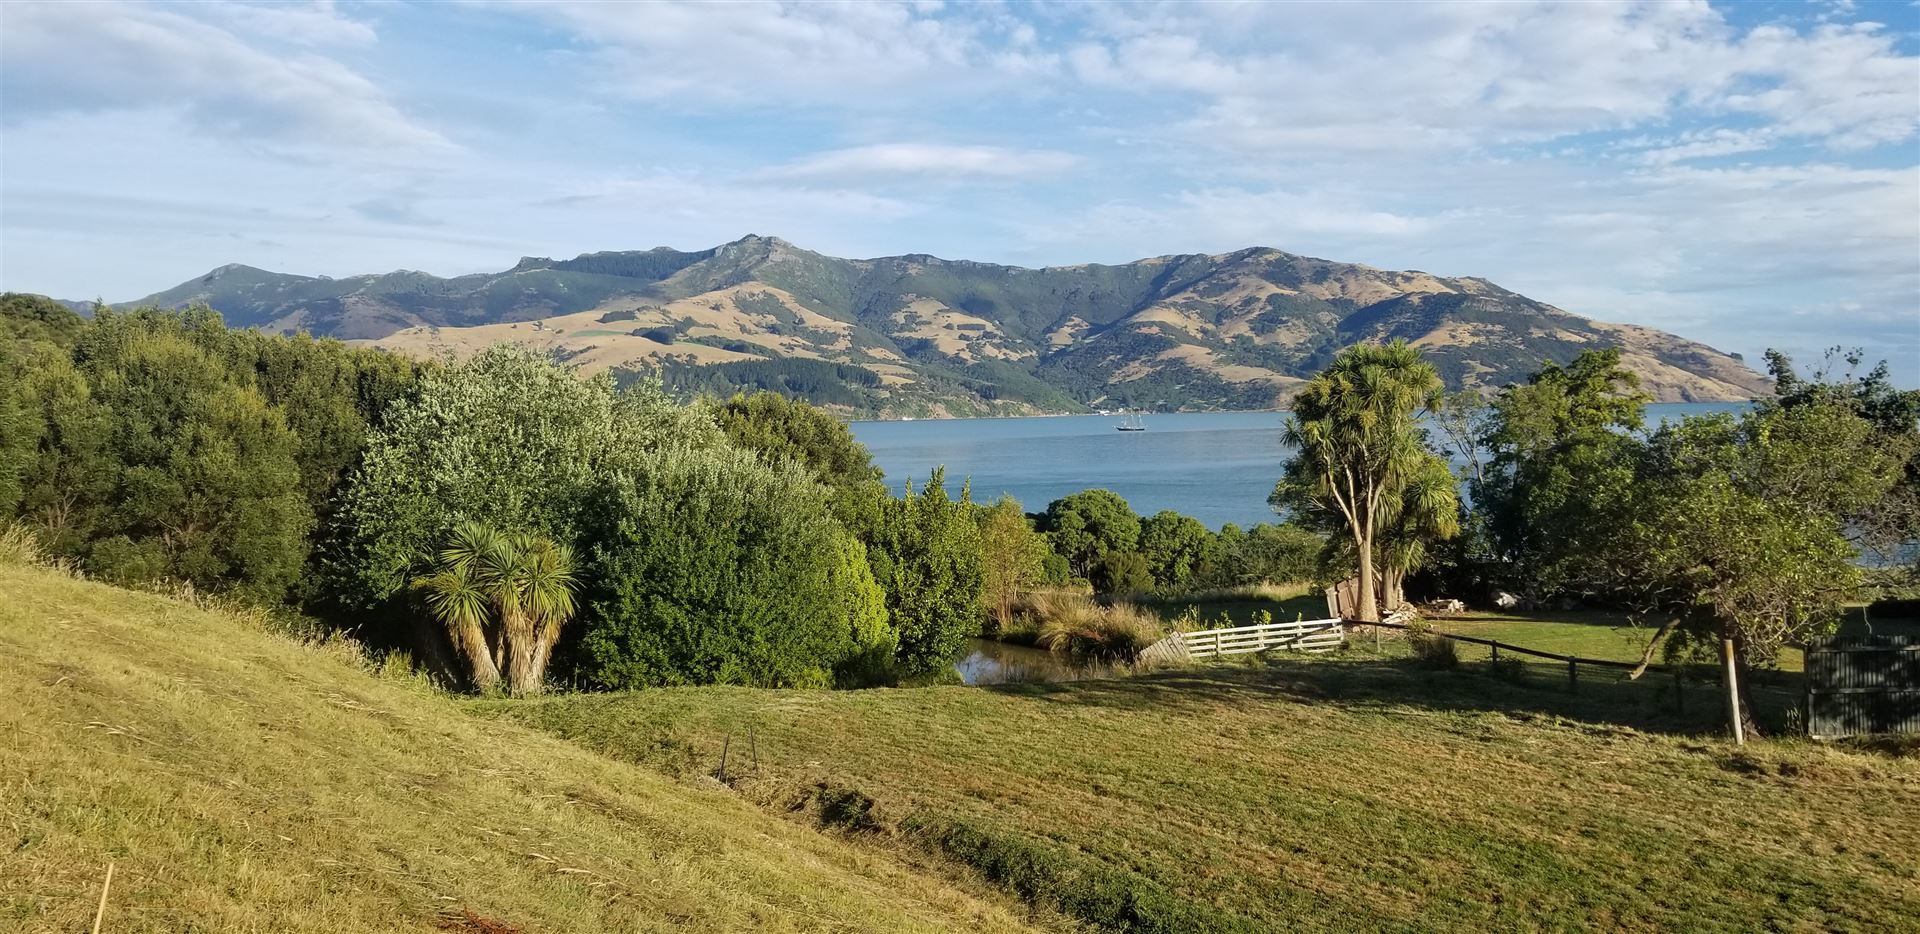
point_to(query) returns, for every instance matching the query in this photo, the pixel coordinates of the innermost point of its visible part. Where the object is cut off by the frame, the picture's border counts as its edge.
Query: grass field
(1344, 793)
(1587, 633)
(242, 782)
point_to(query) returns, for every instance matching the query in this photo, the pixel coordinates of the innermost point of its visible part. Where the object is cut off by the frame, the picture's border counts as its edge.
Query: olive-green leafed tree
(1561, 461)
(1737, 533)
(1012, 557)
(204, 484)
(508, 438)
(1358, 447)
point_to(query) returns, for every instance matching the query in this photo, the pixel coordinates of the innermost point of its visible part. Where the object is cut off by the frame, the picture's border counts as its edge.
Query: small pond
(990, 662)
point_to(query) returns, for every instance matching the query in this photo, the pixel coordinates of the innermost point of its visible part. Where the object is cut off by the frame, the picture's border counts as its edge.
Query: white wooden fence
(1311, 635)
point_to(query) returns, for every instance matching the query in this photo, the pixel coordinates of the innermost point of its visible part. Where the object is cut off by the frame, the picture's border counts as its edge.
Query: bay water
(1215, 466)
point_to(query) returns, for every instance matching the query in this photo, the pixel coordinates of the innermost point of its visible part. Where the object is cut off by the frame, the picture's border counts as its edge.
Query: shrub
(1122, 572)
(1432, 651)
(1043, 872)
(713, 567)
(925, 552)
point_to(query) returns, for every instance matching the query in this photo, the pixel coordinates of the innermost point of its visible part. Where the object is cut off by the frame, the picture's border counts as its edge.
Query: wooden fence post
(1733, 693)
(1573, 676)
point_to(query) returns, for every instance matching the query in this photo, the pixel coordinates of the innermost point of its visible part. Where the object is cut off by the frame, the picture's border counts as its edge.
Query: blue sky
(1747, 175)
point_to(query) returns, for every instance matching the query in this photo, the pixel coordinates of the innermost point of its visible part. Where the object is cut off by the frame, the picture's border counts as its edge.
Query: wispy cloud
(925, 160)
(60, 58)
(763, 53)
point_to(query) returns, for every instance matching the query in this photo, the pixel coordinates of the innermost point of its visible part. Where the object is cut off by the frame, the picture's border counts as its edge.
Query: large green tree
(1359, 449)
(1267, 553)
(777, 426)
(1089, 525)
(508, 438)
(1888, 529)
(1559, 473)
(1177, 548)
(204, 483)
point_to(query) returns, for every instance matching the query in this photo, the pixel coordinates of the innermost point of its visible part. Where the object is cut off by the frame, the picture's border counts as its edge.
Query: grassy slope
(1337, 794)
(244, 782)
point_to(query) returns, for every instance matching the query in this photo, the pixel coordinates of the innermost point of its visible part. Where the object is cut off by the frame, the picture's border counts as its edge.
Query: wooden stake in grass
(100, 914)
(1733, 693)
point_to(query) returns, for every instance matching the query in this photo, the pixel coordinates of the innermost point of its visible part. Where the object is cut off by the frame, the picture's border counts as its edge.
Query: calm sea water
(1217, 467)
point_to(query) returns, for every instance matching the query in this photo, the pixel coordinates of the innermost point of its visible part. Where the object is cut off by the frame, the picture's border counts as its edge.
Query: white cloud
(761, 52)
(689, 196)
(60, 58)
(925, 160)
(315, 23)
(1284, 76)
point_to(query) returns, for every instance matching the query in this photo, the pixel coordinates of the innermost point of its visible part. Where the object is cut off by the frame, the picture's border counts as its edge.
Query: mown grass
(1341, 793)
(243, 782)
(1612, 636)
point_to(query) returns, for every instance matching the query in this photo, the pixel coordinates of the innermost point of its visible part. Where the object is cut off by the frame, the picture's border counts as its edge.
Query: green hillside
(240, 781)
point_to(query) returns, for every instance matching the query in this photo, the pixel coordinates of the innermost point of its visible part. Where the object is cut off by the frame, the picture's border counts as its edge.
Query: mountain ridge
(917, 334)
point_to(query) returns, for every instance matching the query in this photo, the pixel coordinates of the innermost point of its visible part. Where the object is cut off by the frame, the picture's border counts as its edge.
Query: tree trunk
(522, 638)
(1392, 589)
(472, 643)
(549, 636)
(1369, 610)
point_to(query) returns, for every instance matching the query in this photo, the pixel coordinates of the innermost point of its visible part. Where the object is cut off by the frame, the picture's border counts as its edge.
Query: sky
(1746, 175)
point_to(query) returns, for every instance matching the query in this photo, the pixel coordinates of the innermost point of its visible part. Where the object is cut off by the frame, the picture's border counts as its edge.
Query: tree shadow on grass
(1361, 680)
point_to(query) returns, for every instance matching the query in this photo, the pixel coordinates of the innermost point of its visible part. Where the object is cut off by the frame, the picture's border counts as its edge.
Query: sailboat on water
(1131, 423)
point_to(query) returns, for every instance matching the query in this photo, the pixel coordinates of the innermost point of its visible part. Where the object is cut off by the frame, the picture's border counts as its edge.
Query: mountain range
(920, 335)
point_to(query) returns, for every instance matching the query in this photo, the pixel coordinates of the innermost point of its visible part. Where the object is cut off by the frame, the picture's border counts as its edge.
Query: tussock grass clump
(1432, 651)
(18, 546)
(1259, 590)
(1078, 627)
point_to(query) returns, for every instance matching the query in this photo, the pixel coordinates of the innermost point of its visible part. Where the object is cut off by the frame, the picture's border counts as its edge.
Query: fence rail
(1312, 635)
(1499, 646)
